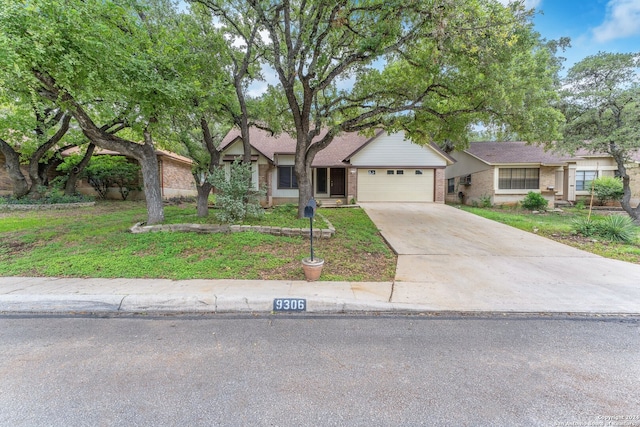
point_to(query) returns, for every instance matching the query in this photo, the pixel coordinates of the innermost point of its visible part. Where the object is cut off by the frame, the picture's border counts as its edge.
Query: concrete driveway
(456, 256)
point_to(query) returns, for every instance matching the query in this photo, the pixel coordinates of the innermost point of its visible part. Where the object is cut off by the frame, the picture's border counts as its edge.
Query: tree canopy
(601, 102)
(432, 68)
(102, 62)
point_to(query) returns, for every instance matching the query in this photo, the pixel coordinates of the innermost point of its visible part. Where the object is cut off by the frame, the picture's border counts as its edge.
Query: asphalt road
(319, 371)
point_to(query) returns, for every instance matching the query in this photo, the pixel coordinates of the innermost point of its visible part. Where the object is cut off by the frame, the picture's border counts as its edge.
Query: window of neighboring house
(519, 179)
(451, 185)
(287, 177)
(584, 178)
(390, 172)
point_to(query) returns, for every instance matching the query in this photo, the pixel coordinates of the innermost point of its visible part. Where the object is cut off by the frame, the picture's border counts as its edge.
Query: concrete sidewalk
(62, 295)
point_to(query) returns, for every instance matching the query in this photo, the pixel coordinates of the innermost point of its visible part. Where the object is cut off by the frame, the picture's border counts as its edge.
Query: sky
(592, 25)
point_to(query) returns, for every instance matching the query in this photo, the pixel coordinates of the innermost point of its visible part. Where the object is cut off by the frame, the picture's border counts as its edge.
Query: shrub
(534, 201)
(50, 198)
(617, 228)
(104, 171)
(585, 226)
(607, 189)
(485, 201)
(236, 200)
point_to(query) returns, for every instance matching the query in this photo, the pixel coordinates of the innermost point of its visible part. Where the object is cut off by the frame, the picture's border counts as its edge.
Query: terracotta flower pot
(312, 269)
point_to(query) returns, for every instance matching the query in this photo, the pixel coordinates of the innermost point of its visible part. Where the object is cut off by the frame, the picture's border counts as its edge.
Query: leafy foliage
(431, 68)
(607, 189)
(51, 197)
(106, 171)
(534, 201)
(601, 102)
(236, 198)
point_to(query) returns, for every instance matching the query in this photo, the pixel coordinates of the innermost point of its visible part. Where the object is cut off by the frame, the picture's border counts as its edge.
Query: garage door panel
(375, 185)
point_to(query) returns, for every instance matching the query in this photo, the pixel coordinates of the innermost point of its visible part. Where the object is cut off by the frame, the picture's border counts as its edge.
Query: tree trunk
(205, 188)
(72, 181)
(625, 202)
(37, 180)
(303, 173)
(143, 153)
(151, 177)
(203, 198)
(12, 164)
(305, 190)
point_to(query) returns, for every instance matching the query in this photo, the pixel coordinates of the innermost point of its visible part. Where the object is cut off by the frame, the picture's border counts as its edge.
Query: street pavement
(448, 261)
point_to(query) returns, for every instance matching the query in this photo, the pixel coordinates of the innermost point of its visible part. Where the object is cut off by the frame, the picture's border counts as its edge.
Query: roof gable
(396, 150)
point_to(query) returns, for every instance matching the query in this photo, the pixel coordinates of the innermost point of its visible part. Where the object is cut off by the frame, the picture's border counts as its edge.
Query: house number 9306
(289, 304)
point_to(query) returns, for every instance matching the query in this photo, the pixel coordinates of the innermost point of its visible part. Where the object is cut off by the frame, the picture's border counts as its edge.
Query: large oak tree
(98, 61)
(431, 67)
(601, 102)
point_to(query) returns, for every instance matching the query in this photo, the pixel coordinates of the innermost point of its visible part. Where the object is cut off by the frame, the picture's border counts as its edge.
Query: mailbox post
(310, 212)
(312, 266)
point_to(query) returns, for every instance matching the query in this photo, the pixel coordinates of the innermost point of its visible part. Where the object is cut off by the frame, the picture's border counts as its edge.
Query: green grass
(559, 226)
(95, 242)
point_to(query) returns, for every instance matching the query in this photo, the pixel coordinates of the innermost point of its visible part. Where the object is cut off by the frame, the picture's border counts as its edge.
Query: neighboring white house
(506, 171)
(385, 167)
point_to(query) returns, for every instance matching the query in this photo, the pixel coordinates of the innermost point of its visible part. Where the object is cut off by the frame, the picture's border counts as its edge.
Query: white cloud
(622, 20)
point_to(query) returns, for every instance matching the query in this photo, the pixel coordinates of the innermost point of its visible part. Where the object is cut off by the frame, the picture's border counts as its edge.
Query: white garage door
(395, 185)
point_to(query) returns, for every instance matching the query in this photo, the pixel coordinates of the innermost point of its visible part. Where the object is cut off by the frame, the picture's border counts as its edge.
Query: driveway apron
(446, 256)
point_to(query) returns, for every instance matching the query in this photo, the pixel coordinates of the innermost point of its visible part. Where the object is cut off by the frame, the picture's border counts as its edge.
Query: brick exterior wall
(441, 186)
(481, 186)
(634, 181)
(177, 179)
(352, 184)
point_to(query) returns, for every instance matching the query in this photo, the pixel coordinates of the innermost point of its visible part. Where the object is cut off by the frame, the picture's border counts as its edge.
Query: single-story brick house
(175, 176)
(385, 167)
(506, 171)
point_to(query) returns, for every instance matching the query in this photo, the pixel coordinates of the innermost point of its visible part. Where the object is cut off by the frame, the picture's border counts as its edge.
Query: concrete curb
(211, 304)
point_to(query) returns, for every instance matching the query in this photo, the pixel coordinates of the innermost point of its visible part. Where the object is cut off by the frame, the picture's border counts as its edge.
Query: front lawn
(95, 242)
(559, 226)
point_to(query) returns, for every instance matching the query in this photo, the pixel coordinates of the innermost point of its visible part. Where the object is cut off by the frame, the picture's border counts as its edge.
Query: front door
(337, 184)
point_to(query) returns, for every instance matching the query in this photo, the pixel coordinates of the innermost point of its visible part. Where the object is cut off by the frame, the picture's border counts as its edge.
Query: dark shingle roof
(514, 152)
(270, 145)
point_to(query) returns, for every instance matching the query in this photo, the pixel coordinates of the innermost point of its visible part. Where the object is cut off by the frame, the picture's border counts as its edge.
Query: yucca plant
(585, 226)
(617, 228)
